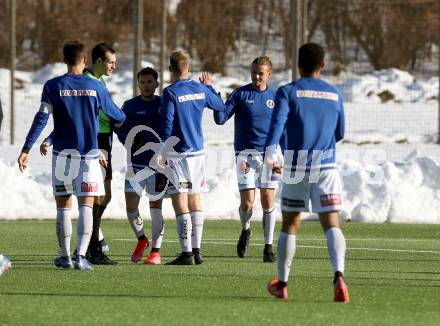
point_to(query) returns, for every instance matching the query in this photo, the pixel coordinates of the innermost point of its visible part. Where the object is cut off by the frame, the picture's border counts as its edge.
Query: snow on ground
(396, 192)
(385, 179)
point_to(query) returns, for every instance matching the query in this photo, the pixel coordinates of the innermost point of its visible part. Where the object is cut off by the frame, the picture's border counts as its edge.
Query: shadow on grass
(267, 298)
(394, 272)
(396, 284)
(140, 296)
(391, 259)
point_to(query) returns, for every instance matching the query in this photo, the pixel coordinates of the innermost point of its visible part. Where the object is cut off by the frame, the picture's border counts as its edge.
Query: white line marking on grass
(222, 242)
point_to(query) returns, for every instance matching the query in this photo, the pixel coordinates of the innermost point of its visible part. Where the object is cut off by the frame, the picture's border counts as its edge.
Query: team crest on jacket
(270, 104)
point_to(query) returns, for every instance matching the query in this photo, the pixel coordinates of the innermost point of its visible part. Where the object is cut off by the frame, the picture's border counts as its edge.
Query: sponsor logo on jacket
(77, 92)
(318, 94)
(191, 97)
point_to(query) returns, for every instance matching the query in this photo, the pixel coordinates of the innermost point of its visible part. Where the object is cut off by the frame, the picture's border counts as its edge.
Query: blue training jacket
(253, 111)
(141, 113)
(74, 101)
(310, 113)
(183, 103)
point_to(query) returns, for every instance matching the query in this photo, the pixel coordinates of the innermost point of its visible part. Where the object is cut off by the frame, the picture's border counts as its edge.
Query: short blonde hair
(262, 61)
(179, 61)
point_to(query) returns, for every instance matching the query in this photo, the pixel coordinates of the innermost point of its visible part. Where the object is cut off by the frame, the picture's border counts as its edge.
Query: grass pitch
(393, 274)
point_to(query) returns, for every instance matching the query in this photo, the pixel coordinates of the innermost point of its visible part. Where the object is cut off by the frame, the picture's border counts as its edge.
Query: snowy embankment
(403, 192)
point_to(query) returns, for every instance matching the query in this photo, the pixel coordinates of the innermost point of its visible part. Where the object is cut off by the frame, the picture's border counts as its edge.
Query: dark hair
(100, 50)
(148, 71)
(73, 52)
(310, 58)
(263, 61)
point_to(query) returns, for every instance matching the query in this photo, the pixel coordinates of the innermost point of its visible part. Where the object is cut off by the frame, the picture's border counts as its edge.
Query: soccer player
(183, 103)
(143, 111)
(310, 112)
(103, 64)
(252, 106)
(74, 100)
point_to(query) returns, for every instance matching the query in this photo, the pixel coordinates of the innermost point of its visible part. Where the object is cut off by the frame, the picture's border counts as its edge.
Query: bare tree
(209, 29)
(328, 17)
(392, 34)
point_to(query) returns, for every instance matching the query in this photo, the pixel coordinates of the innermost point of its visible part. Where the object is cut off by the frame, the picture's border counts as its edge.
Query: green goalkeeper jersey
(104, 120)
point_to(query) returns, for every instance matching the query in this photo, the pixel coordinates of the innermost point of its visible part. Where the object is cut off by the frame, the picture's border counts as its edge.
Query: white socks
(136, 223)
(287, 248)
(64, 230)
(286, 252)
(336, 248)
(184, 231)
(197, 228)
(84, 228)
(268, 224)
(157, 227)
(245, 218)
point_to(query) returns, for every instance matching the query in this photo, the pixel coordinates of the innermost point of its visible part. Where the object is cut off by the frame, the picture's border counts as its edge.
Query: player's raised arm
(213, 99)
(206, 79)
(109, 107)
(220, 117)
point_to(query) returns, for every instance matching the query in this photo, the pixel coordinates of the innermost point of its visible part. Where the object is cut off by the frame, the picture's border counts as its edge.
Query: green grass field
(393, 273)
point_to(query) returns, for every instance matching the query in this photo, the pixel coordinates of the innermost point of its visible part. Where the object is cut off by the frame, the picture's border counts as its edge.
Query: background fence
(382, 54)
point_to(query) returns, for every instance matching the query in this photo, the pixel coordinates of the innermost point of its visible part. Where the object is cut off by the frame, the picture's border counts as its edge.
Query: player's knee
(193, 206)
(131, 207)
(156, 203)
(329, 220)
(267, 198)
(291, 222)
(247, 205)
(289, 227)
(267, 203)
